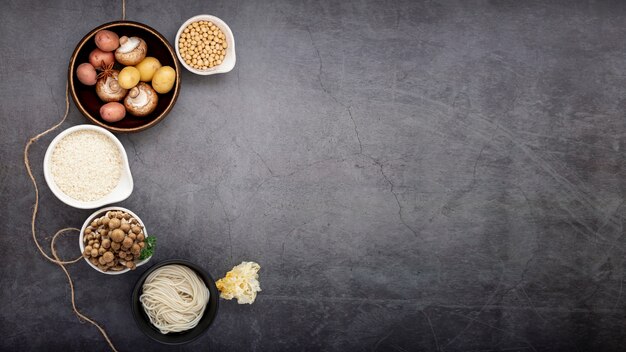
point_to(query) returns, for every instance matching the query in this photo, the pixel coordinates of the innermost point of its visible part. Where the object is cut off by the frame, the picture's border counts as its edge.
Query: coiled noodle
(174, 298)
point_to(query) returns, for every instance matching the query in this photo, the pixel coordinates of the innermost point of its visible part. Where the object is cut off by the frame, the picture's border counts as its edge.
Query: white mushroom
(131, 51)
(141, 100)
(108, 89)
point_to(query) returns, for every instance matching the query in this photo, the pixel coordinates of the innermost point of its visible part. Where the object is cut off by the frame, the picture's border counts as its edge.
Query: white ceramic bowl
(229, 58)
(100, 213)
(123, 189)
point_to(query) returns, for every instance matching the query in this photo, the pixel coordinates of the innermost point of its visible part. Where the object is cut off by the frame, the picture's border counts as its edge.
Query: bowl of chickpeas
(205, 45)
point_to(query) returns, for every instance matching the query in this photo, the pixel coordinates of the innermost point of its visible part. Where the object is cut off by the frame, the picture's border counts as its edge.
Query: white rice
(86, 165)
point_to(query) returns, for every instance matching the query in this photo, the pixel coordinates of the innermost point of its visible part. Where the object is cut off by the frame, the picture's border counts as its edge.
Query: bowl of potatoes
(124, 76)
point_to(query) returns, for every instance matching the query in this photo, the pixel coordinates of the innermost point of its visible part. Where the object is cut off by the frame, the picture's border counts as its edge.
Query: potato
(107, 40)
(128, 77)
(112, 112)
(163, 79)
(97, 57)
(147, 67)
(86, 74)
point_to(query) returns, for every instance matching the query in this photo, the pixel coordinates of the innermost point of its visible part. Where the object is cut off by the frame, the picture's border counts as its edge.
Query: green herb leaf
(148, 250)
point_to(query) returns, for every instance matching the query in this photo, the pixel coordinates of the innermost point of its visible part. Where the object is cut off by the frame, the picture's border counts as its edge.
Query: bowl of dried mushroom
(114, 241)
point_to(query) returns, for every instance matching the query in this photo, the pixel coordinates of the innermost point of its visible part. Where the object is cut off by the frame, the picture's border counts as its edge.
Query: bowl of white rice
(86, 167)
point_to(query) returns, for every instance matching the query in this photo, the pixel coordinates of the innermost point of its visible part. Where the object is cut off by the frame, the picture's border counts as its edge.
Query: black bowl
(177, 338)
(87, 100)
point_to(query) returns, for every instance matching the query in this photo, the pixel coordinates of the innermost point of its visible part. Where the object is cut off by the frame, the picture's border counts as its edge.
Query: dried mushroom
(110, 242)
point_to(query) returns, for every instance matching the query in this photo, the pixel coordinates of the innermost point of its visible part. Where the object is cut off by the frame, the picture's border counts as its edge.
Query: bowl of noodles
(175, 302)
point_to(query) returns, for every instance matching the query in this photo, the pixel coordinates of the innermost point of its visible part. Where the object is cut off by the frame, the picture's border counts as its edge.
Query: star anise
(107, 70)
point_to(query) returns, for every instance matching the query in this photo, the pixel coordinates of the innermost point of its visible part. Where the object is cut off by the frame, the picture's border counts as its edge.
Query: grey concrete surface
(411, 176)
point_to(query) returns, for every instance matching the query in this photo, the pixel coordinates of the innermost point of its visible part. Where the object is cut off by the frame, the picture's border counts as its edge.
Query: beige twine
(56, 260)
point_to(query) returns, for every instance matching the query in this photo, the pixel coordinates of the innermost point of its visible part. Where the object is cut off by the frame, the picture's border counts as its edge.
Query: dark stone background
(411, 176)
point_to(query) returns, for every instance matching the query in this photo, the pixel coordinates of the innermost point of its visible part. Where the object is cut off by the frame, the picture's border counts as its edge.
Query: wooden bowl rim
(71, 67)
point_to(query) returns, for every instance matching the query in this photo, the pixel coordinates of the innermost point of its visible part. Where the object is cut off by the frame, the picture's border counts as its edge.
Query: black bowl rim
(72, 65)
(214, 297)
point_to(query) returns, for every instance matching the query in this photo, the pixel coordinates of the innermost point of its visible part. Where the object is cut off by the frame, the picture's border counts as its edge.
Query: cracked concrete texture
(412, 175)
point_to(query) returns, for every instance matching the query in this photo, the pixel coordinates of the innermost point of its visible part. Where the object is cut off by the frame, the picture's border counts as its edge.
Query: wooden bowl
(86, 98)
